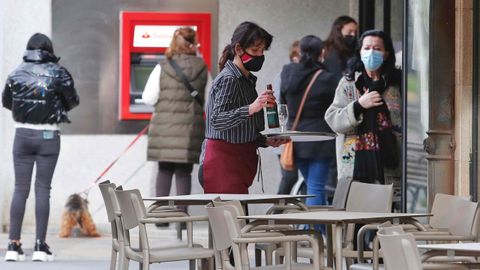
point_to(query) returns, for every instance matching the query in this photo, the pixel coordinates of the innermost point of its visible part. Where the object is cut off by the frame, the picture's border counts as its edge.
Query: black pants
(39, 148)
(183, 178)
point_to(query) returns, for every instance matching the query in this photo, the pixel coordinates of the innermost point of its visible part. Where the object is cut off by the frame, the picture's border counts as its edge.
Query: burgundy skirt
(229, 167)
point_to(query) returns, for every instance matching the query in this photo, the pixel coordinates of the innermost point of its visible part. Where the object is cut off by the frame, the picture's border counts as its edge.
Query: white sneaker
(42, 253)
(14, 253)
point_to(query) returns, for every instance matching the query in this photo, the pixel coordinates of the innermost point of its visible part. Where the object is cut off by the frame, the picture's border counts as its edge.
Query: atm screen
(140, 77)
(141, 67)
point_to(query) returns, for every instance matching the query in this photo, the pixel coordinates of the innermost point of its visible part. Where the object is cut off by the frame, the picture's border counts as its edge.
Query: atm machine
(144, 38)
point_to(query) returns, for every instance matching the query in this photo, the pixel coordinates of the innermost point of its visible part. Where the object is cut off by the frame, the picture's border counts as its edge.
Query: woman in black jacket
(312, 158)
(39, 93)
(340, 45)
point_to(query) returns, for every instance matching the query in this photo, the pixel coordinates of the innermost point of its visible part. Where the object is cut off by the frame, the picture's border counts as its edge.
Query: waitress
(235, 114)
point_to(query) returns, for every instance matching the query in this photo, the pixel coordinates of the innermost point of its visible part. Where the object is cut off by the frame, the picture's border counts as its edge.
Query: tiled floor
(90, 253)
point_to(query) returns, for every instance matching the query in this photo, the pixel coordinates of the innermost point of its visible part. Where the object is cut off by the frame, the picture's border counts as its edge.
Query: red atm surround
(128, 21)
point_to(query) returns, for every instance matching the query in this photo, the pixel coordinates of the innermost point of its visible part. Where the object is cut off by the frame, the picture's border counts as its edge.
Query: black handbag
(194, 93)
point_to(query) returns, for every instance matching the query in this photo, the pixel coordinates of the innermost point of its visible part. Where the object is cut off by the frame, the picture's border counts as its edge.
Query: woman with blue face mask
(366, 114)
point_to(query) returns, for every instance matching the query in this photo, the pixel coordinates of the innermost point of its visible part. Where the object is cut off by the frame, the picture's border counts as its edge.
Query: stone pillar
(463, 94)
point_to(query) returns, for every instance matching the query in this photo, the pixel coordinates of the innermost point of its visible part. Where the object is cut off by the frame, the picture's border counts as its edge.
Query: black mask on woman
(350, 41)
(252, 62)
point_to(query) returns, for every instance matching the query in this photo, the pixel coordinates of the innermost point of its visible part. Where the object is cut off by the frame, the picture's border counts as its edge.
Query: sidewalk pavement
(79, 253)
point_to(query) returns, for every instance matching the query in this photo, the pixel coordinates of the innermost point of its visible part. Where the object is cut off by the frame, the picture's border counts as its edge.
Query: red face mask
(252, 62)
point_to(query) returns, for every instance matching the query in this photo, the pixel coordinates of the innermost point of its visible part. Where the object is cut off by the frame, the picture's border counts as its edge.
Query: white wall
(83, 157)
(286, 20)
(20, 20)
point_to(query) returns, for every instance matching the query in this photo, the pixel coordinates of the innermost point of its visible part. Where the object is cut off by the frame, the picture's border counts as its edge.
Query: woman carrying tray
(235, 115)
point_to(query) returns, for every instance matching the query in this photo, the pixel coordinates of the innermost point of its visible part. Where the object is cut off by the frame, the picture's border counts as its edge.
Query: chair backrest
(442, 208)
(221, 236)
(104, 187)
(364, 197)
(399, 249)
(463, 217)
(237, 205)
(130, 208)
(341, 193)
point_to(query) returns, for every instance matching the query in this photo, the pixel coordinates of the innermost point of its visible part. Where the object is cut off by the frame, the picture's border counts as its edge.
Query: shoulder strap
(194, 93)
(304, 98)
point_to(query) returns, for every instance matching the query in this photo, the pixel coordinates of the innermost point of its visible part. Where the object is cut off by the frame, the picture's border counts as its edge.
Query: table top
(302, 136)
(333, 217)
(246, 198)
(454, 246)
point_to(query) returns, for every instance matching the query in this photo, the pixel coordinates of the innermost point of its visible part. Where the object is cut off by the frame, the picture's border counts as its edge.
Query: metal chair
(113, 214)
(133, 214)
(267, 248)
(400, 251)
(227, 233)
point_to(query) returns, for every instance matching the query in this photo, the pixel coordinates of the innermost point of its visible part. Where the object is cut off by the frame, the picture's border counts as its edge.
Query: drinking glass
(283, 116)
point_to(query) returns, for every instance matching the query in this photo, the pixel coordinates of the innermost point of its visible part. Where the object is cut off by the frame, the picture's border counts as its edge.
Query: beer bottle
(272, 113)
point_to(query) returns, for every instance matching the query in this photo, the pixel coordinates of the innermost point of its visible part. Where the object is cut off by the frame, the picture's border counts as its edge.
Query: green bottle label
(272, 117)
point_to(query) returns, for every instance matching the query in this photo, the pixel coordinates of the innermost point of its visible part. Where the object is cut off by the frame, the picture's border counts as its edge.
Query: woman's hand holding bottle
(265, 99)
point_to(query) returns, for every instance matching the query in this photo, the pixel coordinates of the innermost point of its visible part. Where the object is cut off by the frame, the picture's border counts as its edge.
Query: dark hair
(311, 48)
(388, 69)
(246, 34)
(335, 38)
(40, 41)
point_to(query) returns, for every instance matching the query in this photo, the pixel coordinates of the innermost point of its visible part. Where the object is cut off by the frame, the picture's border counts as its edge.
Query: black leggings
(183, 178)
(40, 148)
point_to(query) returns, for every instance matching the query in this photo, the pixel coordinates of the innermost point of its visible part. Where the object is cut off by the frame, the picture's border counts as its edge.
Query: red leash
(94, 183)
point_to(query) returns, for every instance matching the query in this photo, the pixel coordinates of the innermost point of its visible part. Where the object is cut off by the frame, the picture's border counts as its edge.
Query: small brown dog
(76, 213)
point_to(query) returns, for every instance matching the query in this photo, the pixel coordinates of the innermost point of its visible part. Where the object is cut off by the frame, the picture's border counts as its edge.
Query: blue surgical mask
(372, 59)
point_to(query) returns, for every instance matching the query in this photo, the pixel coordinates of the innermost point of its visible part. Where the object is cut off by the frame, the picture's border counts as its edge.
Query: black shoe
(41, 252)
(162, 225)
(14, 253)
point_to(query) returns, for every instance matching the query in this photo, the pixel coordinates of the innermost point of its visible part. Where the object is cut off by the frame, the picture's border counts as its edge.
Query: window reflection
(417, 104)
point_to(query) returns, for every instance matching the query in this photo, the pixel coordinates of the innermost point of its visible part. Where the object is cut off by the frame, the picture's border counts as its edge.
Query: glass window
(417, 103)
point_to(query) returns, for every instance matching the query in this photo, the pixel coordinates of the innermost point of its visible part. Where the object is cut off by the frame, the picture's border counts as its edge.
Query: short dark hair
(246, 34)
(39, 41)
(311, 48)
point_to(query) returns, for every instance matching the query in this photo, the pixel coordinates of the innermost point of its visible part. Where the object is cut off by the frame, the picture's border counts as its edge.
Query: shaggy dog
(76, 213)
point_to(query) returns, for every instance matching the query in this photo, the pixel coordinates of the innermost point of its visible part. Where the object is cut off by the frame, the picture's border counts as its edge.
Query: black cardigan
(294, 80)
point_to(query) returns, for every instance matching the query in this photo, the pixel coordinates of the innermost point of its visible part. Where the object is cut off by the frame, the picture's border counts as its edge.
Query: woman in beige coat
(366, 114)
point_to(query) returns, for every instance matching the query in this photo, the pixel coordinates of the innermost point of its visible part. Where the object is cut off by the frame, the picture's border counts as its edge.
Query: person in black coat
(312, 158)
(39, 92)
(340, 45)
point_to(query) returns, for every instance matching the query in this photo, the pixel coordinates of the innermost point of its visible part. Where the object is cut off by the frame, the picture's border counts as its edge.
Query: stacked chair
(126, 211)
(400, 251)
(454, 219)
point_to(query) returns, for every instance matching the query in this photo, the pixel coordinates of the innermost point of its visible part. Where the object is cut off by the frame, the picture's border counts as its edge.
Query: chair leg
(192, 264)
(206, 264)
(123, 261)
(145, 265)
(178, 226)
(258, 257)
(113, 259)
(125, 264)
(269, 255)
